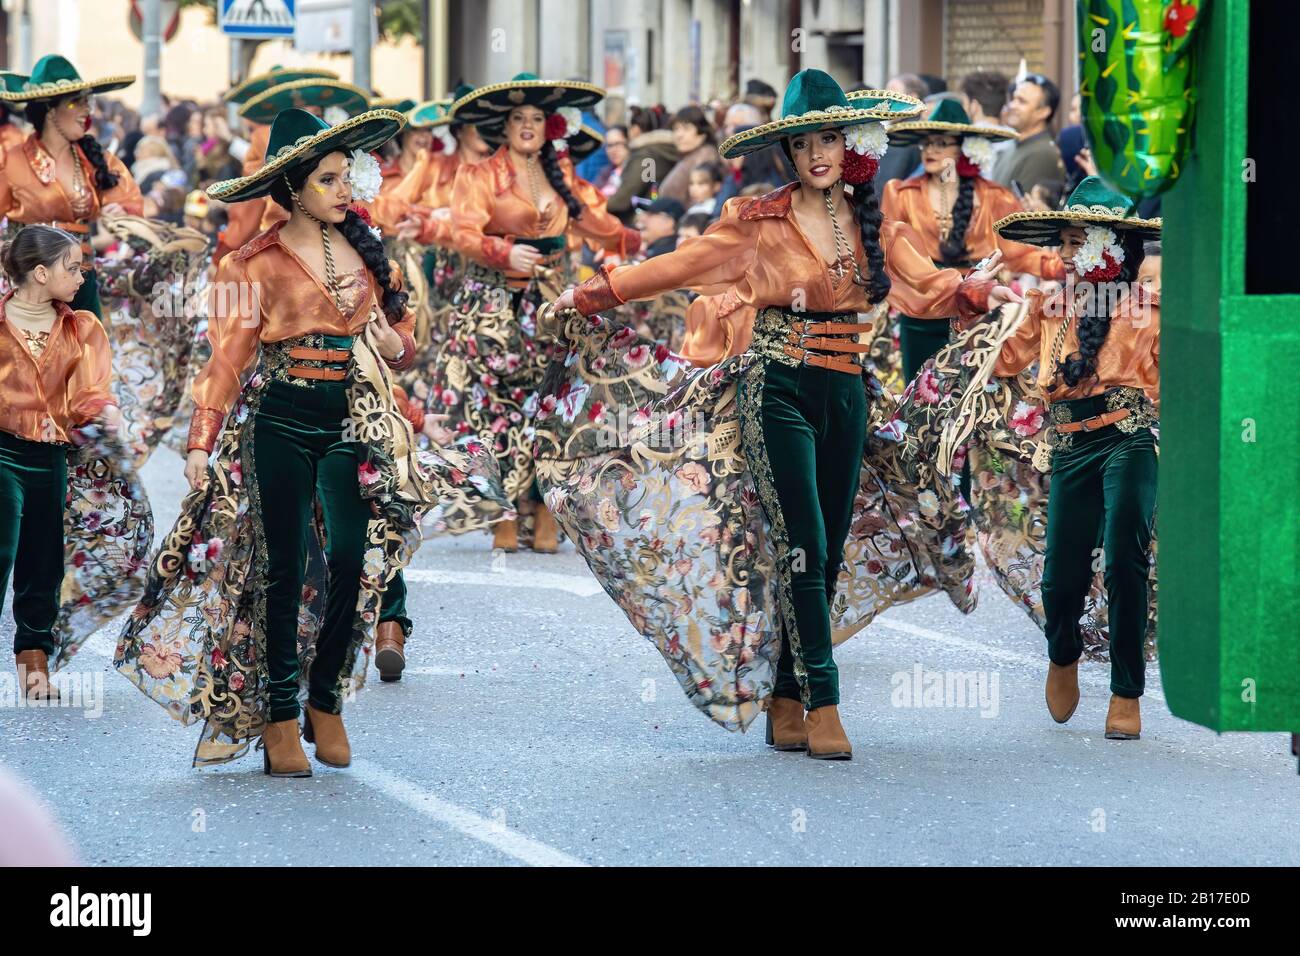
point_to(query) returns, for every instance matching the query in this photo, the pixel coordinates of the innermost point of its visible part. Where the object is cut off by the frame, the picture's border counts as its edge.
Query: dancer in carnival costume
(511, 218)
(59, 174)
(725, 545)
(1089, 421)
(953, 205)
(75, 525)
(237, 608)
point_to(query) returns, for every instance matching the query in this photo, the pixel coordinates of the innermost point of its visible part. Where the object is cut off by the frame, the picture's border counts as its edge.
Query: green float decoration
(1137, 85)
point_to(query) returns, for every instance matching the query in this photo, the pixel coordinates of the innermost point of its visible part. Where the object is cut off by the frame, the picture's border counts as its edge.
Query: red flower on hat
(1179, 16)
(364, 213)
(967, 169)
(859, 167)
(1105, 272)
(556, 126)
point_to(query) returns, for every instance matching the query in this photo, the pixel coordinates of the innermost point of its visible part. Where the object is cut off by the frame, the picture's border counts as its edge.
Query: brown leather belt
(320, 374)
(1094, 423)
(805, 337)
(319, 355)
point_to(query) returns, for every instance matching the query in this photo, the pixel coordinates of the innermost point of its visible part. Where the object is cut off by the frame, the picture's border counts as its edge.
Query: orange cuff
(496, 251)
(596, 294)
(408, 357)
(205, 427)
(973, 299)
(630, 244)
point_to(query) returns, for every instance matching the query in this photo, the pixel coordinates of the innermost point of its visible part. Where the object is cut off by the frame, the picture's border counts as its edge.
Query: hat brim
(256, 85)
(585, 142)
(885, 105)
(423, 115)
(265, 106)
(910, 132)
(403, 104)
(1044, 228)
(55, 91)
(488, 106)
(366, 132)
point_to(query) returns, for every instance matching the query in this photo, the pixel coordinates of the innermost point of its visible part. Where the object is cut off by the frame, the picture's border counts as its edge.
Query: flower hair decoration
(560, 125)
(865, 145)
(364, 176)
(976, 157)
(1100, 257)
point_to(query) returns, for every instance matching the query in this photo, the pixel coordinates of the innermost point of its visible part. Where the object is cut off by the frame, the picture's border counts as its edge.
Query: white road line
(581, 585)
(439, 671)
(494, 834)
(978, 647)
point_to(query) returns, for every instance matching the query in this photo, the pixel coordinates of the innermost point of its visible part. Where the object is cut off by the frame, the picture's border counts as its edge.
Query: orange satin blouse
(717, 327)
(438, 179)
(42, 398)
(489, 209)
(757, 246)
(1129, 356)
(266, 293)
(908, 200)
(31, 192)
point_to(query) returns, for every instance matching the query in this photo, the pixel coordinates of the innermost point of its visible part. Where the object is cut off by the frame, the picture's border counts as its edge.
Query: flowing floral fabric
(150, 294)
(1000, 422)
(196, 641)
(640, 459)
(107, 536)
(661, 319)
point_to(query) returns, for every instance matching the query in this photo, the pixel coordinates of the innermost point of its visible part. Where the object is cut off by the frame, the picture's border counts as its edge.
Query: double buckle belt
(808, 342)
(337, 373)
(1094, 423)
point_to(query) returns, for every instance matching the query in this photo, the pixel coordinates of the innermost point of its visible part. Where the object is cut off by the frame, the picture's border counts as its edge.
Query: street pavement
(535, 727)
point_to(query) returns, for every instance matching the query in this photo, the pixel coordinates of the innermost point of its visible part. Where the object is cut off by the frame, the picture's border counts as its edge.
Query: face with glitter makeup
(327, 193)
(71, 116)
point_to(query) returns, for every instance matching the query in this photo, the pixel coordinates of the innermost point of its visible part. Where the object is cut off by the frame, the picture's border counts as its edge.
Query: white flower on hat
(335, 115)
(443, 135)
(572, 119)
(364, 176)
(1099, 242)
(867, 139)
(979, 151)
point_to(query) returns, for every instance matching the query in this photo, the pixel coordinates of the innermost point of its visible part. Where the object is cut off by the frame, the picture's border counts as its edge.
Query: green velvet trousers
(87, 297)
(1102, 501)
(814, 424)
(918, 339)
(299, 455)
(393, 607)
(33, 489)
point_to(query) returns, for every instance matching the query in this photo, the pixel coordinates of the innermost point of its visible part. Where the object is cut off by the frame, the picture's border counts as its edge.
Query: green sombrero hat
(1092, 203)
(946, 117)
(275, 76)
(12, 82)
(488, 106)
(55, 77)
(814, 101)
(402, 104)
(299, 137)
(297, 94)
(430, 114)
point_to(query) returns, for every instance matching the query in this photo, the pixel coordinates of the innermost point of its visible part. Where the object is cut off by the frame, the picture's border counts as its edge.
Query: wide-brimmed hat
(12, 82)
(275, 76)
(488, 106)
(585, 142)
(54, 77)
(299, 137)
(946, 117)
(1092, 203)
(814, 101)
(298, 94)
(430, 114)
(402, 104)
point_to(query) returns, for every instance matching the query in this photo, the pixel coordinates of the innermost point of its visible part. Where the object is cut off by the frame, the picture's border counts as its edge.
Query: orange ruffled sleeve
(1024, 347)
(472, 202)
(234, 321)
(88, 385)
(709, 264)
(918, 288)
(127, 191)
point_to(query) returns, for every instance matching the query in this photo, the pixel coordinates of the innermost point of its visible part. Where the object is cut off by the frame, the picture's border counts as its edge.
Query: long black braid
(953, 249)
(1093, 314)
(105, 178)
(866, 207)
(555, 176)
(354, 229)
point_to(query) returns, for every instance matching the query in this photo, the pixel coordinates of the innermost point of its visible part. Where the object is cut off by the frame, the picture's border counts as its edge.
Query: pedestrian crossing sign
(258, 18)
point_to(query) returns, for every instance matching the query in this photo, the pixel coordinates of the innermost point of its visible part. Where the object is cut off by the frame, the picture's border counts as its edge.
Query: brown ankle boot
(785, 729)
(505, 535)
(545, 533)
(1062, 690)
(327, 733)
(1124, 718)
(282, 755)
(826, 737)
(390, 651)
(34, 675)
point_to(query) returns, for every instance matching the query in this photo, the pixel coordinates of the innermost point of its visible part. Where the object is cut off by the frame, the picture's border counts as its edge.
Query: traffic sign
(258, 18)
(171, 18)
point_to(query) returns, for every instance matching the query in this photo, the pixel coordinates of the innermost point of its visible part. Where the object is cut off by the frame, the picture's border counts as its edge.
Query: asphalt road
(533, 726)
